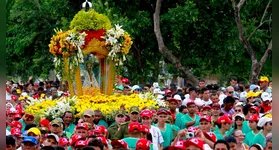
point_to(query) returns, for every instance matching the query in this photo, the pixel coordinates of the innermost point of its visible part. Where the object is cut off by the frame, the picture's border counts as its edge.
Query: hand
(199, 134)
(182, 133)
(30, 78)
(194, 121)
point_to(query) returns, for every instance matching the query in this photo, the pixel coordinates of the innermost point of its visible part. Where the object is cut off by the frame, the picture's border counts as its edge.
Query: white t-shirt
(198, 101)
(221, 98)
(157, 137)
(207, 103)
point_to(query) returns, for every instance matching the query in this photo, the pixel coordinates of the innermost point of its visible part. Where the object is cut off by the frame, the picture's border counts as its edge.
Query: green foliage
(90, 20)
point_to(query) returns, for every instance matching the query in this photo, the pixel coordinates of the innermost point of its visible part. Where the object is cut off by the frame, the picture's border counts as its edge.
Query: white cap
(240, 115)
(24, 94)
(239, 104)
(266, 96)
(135, 87)
(55, 136)
(158, 91)
(263, 121)
(178, 97)
(156, 85)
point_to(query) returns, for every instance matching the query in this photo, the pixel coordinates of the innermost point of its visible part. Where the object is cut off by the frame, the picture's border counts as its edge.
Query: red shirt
(265, 108)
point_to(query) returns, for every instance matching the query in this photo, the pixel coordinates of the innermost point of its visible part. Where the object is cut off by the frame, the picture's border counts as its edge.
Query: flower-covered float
(91, 38)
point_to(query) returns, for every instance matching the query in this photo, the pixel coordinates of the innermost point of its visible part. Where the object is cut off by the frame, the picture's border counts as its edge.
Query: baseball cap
(257, 109)
(143, 144)
(253, 87)
(162, 111)
(44, 123)
(146, 113)
(81, 143)
(82, 125)
(134, 109)
(177, 97)
(239, 104)
(263, 121)
(266, 96)
(30, 139)
(239, 115)
(120, 112)
(173, 99)
(15, 132)
(54, 136)
(216, 105)
(17, 116)
(74, 139)
(167, 92)
(263, 79)
(63, 141)
(224, 119)
(136, 87)
(34, 130)
(158, 91)
(120, 143)
(205, 117)
(16, 124)
(190, 103)
(55, 122)
(144, 128)
(179, 145)
(254, 118)
(194, 141)
(206, 107)
(88, 112)
(134, 126)
(101, 129)
(211, 136)
(250, 94)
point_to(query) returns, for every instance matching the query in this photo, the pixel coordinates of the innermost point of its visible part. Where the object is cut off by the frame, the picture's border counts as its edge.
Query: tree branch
(240, 27)
(164, 50)
(267, 52)
(261, 22)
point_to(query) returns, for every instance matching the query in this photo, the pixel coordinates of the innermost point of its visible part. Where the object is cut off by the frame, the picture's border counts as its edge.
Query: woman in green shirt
(266, 124)
(224, 124)
(253, 120)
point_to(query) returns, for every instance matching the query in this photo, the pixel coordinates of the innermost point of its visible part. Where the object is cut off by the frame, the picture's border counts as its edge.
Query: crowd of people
(196, 117)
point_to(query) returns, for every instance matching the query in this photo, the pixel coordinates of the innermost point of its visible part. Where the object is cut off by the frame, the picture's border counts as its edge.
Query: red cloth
(266, 108)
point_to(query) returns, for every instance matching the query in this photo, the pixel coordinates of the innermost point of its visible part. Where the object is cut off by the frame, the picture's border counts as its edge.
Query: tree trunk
(137, 53)
(256, 65)
(164, 50)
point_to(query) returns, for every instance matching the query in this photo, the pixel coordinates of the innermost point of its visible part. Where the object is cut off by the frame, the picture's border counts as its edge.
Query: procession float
(87, 56)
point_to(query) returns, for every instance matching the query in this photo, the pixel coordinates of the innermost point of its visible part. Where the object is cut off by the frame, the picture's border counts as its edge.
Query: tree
(164, 50)
(246, 40)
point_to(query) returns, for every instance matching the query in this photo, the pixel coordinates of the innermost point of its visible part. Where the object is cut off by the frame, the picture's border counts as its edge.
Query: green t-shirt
(70, 128)
(218, 134)
(245, 127)
(102, 123)
(178, 120)
(131, 141)
(23, 125)
(259, 139)
(186, 118)
(167, 135)
(249, 137)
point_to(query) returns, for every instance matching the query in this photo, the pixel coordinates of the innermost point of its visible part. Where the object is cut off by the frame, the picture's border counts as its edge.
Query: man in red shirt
(265, 106)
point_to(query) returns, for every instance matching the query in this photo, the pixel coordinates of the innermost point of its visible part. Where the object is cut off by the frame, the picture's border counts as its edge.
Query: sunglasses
(231, 92)
(239, 119)
(237, 110)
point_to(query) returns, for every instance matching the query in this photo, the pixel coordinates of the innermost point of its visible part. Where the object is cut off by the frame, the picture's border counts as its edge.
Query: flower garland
(67, 45)
(50, 109)
(118, 42)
